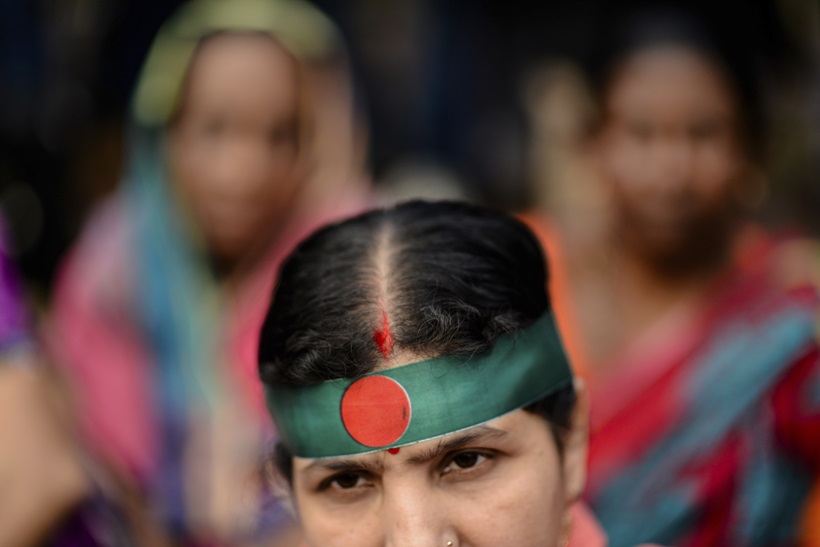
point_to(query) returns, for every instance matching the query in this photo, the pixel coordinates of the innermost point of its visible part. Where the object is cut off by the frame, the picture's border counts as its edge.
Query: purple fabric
(13, 317)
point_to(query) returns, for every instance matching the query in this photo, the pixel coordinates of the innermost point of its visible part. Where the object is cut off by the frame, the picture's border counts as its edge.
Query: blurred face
(234, 144)
(670, 152)
(501, 483)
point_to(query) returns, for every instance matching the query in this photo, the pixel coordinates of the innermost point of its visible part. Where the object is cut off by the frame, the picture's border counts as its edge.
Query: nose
(674, 158)
(237, 168)
(414, 518)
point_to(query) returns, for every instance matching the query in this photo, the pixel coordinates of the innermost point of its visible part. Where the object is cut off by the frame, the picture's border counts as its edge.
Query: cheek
(282, 181)
(526, 507)
(537, 520)
(192, 165)
(328, 530)
(270, 182)
(719, 171)
(337, 526)
(623, 164)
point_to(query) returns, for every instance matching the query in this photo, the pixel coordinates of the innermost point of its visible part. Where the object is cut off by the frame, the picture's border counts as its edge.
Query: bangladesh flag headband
(423, 400)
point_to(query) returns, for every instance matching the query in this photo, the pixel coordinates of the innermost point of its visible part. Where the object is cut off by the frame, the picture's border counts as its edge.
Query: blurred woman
(243, 137)
(705, 425)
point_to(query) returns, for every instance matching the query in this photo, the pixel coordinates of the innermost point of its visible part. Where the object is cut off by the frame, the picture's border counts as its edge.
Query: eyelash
(451, 459)
(327, 484)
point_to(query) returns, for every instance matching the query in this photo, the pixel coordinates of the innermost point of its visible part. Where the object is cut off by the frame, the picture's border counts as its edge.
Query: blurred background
(657, 179)
(469, 97)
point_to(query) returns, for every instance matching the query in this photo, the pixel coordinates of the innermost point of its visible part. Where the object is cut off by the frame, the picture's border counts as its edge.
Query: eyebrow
(359, 464)
(477, 434)
(473, 435)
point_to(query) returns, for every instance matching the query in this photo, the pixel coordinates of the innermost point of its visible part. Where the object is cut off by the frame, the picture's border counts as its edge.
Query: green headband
(422, 400)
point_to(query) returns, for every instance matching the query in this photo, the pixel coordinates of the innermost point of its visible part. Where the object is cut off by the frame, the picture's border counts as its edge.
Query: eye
(345, 481)
(466, 460)
(213, 127)
(282, 134)
(640, 131)
(703, 130)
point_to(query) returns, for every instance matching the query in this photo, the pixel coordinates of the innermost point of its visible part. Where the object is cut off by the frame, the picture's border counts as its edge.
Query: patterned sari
(708, 432)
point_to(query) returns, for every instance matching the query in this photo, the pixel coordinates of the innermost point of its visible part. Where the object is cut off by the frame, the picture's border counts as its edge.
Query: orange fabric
(560, 290)
(811, 520)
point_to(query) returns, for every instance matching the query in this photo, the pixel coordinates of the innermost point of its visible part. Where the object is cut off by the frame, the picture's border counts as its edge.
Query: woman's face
(670, 149)
(500, 483)
(234, 143)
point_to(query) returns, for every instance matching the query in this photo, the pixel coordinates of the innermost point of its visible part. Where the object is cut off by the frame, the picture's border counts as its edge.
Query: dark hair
(451, 277)
(640, 29)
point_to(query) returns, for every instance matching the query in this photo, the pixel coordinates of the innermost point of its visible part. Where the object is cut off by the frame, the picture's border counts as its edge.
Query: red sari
(708, 433)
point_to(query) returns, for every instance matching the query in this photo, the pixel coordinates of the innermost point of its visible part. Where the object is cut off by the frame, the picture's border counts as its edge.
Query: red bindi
(393, 451)
(384, 338)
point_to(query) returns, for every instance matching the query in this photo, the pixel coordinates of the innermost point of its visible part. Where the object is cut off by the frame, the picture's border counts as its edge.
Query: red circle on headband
(376, 411)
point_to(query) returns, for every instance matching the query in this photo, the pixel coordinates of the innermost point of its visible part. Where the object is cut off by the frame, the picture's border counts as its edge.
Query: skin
(501, 483)
(672, 156)
(234, 144)
(41, 473)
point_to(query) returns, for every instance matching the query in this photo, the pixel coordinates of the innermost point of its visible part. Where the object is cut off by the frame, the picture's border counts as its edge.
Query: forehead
(670, 76)
(236, 69)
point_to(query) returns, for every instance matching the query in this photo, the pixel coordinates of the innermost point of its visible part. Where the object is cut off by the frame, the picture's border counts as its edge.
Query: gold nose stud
(449, 544)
